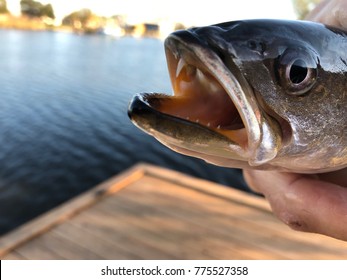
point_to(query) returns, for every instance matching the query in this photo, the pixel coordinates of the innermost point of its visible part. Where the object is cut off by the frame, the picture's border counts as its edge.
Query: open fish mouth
(200, 97)
(212, 102)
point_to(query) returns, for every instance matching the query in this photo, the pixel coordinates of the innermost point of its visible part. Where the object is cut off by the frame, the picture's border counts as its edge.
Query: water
(63, 120)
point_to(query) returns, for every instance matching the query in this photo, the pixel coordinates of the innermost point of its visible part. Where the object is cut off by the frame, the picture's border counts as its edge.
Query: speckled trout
(263, 94)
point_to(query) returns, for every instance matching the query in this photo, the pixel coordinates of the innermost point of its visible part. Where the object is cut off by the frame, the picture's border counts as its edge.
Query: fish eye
(298, 72)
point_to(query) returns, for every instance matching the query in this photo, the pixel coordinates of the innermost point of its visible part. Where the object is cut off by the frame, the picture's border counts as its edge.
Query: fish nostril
(256, 46)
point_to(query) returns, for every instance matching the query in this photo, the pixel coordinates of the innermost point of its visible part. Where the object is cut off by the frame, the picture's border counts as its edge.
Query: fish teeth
(181, 63)
(218, 127)
(208, 124)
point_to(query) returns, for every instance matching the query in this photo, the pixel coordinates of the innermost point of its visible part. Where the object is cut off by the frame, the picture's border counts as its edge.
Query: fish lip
(184, 44)
(141, 107)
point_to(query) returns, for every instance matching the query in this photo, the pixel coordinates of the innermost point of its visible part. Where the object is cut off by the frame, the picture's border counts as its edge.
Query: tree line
(30, 8)
(36, 9)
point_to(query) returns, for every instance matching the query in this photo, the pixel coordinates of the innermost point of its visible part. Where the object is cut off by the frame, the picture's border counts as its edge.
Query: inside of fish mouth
(200, 98)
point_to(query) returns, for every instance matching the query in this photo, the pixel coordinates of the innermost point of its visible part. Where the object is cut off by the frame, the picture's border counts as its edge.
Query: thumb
(303, 202)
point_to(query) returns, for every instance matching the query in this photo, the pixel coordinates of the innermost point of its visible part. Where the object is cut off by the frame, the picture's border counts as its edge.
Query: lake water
(63, 118)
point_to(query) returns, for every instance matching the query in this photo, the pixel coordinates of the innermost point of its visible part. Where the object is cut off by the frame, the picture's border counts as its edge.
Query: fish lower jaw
(232, 156)
(238, 136)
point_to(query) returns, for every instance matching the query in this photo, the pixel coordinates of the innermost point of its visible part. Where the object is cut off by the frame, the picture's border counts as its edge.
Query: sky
(188, 12)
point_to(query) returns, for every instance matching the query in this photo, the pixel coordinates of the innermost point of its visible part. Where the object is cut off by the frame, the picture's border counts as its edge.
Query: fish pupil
(298, 72)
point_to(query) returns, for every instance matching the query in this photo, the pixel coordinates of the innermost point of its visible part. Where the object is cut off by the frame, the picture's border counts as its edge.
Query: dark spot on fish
(256, 46)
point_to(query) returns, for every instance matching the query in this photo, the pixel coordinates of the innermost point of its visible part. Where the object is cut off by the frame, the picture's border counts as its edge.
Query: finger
(250, 178)
(302, 202)
(318, 11)
(330, 12)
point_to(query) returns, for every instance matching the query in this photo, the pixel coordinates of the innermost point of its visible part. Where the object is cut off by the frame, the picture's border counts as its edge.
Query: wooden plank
(208, 187)
(186, 197)
(333, 246)
(36, 250)
(250, 231)
(164, 214)
(124, 238)
(167, 234)
(13, 256)
(86, 239)
(68, 209)
(225, 229)
(166, 230)
(51, 246)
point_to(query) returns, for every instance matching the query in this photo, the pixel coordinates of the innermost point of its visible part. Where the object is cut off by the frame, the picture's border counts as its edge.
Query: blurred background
(68, 71)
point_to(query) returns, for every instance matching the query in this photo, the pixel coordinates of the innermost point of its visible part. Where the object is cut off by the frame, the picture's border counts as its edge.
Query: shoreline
(8, 21)
(11, 22)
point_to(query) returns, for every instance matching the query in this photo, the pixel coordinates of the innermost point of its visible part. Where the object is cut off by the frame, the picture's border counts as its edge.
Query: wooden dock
(149, 212)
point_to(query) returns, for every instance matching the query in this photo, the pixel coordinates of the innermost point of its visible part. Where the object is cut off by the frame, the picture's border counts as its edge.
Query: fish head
(263, 94)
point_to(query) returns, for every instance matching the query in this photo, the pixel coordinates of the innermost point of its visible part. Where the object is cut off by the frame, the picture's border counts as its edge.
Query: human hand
(305, 202)
(312, 203)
